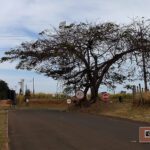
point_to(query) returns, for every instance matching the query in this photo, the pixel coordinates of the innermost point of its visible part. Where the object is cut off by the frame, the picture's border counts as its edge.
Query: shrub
(4, 89)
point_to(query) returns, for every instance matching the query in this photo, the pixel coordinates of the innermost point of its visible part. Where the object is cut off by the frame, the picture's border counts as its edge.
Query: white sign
(80, 94)
(68, 101)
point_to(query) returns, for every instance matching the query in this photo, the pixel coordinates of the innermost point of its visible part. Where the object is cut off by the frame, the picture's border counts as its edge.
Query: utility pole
(26, 88)
(33, 87)
(144, 72)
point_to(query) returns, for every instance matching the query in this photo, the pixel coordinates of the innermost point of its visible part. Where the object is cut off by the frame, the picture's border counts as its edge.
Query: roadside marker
(68, 101)
(80, 94)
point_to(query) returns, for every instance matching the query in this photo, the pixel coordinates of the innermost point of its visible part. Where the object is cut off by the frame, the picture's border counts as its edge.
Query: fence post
(141, 97)
(133, 92)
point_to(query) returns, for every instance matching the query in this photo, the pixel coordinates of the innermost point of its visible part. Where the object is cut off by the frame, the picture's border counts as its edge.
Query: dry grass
(127, 96)
(3, 128)
(48, 96)
(44, 104)
(145, 96)
(121, 110)
(127, 110)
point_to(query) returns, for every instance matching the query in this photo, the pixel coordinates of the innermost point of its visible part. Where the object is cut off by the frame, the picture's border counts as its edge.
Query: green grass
(3, 128)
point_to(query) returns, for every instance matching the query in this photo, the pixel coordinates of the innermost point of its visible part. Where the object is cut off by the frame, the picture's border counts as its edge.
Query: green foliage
(3, 90)
(68, 90)
(128, 87)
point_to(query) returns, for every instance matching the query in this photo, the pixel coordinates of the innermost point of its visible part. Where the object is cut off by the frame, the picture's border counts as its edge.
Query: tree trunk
(94, 94)
(85, 92)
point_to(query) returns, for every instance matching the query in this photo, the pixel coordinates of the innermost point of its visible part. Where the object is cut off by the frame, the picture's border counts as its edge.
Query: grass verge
(3, 129)
(121, 110)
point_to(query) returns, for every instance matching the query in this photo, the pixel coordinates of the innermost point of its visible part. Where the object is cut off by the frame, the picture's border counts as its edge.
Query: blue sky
(22, 20)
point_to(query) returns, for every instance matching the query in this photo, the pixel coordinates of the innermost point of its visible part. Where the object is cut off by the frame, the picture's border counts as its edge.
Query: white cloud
(21, 20)
(37, 15)
(7, 65)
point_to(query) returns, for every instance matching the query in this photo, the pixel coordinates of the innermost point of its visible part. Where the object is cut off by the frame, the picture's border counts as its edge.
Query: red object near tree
(105, 97)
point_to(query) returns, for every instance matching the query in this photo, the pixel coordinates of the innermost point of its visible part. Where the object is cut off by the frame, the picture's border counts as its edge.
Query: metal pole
(144, 72)
(33, 87)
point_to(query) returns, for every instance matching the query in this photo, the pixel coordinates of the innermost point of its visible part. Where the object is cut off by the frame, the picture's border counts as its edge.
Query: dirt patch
(5, 103)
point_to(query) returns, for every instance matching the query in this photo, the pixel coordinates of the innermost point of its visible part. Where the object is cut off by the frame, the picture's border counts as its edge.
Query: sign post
(68, 102)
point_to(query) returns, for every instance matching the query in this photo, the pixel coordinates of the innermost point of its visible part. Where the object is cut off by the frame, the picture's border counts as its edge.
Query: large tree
(83, 55)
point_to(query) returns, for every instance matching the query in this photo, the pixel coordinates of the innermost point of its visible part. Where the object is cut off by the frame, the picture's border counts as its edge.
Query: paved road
(53, 130)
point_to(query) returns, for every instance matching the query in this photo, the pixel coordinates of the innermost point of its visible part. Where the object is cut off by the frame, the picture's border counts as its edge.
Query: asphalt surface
(54, 130)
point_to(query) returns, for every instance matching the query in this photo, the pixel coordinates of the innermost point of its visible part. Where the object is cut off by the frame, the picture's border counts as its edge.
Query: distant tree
(128, 87)
(4, 90)
(68, 90)
(139, 36)
(84, 56)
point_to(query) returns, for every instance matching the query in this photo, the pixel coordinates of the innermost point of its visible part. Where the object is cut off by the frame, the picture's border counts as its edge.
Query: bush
(4, 89)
